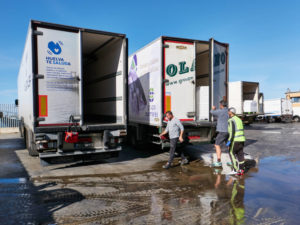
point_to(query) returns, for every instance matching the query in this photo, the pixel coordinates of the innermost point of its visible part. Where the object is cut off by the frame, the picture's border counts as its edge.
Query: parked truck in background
(261, 99)
(185, 76)
(279, 109)
(295, 98)
(72, 86)
(245, 97)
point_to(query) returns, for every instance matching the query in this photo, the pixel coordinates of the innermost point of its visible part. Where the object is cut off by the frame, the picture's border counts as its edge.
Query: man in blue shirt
(222, 129)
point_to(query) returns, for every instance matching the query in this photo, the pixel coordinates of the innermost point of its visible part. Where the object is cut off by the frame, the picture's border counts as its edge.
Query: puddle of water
(275, 189)
(13, 180)
(194, 194)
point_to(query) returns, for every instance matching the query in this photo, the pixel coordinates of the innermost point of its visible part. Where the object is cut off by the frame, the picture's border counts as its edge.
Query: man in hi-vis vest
(236, 142)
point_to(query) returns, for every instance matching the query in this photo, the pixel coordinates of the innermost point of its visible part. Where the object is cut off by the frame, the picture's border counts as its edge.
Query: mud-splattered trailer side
(185, 76)
(72, 91)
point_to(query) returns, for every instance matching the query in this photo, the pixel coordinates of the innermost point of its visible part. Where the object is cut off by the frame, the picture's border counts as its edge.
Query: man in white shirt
(175, 130)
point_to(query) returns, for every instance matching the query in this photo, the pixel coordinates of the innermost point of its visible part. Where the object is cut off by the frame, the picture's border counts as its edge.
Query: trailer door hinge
(39, 119)
(39, 76)
(36, 32)
(165, 46)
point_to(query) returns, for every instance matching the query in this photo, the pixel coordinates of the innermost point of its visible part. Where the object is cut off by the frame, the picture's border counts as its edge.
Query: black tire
(271, 120)
(24, 137)
(30, 145)
(296, 119)
(132, 137)
(21, 129)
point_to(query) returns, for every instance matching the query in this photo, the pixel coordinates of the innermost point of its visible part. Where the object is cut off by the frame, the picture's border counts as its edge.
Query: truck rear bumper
(90, 154)
(85, 128)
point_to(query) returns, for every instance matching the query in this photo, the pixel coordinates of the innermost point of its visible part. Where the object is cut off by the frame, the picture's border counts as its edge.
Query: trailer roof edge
(73, 28)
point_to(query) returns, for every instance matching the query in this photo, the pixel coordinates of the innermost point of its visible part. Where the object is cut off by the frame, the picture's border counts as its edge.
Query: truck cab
(295, 99)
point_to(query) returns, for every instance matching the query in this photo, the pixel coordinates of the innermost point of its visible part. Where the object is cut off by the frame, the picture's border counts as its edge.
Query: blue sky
(264, 35)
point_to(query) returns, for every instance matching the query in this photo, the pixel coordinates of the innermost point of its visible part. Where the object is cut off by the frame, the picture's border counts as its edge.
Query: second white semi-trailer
(245, 97)
(279, 109)
(185, 76)
(72, 87)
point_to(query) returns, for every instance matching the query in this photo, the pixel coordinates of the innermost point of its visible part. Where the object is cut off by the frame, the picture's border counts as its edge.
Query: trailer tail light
(73, 137)
(114, 140)
(45, 145)
(123, 133)
(193, 137)
(42, 145)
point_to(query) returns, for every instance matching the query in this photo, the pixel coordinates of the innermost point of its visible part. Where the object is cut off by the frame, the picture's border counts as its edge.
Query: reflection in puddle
(193, 194)
(13, 180)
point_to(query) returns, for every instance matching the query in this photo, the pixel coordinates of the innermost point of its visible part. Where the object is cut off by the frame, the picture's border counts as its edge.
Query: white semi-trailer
(279, 109)
(244, 96)
(72, 87)
(185, 76)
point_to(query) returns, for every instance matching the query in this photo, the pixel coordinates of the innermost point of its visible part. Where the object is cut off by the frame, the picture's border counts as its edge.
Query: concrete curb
(9, 130)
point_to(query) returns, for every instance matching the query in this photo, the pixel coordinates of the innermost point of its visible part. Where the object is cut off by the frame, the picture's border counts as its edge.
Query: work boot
(240, 172)
(229, 163)
(184, 162)
(166, 166)
(216, 164)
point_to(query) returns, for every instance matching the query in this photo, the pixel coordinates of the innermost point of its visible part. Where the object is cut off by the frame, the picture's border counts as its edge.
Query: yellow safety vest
(239, 129)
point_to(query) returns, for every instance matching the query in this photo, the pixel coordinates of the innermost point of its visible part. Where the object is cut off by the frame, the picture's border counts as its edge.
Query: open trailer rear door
(179, 75)
(59, 76)
(219, 71)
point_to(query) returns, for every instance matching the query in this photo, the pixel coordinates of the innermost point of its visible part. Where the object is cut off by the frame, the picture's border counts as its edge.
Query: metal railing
(8, 115)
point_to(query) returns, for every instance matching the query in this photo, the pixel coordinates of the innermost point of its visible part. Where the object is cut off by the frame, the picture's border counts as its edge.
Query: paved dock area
(134, 189)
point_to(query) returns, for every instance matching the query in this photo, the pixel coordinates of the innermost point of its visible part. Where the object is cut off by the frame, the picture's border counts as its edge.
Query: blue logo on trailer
(54, 48)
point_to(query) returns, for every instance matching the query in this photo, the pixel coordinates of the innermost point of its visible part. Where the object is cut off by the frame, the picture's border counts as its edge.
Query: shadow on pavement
(250, 127)
(250, 142)
(21, 200)
(126, 154)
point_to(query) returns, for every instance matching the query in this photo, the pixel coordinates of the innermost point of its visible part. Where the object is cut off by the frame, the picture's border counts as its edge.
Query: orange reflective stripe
(168, 103)
(43, 105)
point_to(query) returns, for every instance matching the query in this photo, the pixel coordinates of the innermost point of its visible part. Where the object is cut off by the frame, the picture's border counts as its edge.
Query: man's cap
(232, 109)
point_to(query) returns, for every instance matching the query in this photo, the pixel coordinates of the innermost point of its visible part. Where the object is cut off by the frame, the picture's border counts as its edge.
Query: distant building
(294, 96)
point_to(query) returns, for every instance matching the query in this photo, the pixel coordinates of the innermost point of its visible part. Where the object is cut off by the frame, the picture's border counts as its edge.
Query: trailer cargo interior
(250, 97)
(244, 97)
(180, 75)
(103, 78)
(72, 80)
(202, 81)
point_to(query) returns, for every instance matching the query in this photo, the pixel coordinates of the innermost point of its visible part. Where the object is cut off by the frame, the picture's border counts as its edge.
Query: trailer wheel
(22, 129)
(296, 118)
(25, 137)
(132, 137)
(271, 120)
(30, 145)
(288, 120)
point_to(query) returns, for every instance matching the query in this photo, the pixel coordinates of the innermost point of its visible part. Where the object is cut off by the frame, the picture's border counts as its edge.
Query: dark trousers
(173, 143)
(236, 154)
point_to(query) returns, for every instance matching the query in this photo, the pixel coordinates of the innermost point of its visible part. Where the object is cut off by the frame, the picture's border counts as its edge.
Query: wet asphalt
(193, 194)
